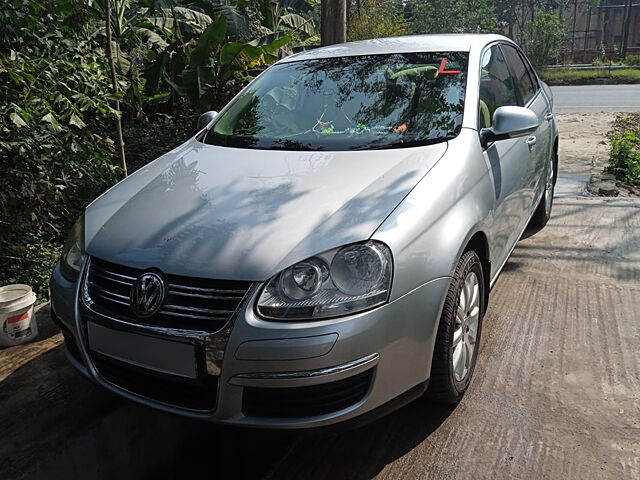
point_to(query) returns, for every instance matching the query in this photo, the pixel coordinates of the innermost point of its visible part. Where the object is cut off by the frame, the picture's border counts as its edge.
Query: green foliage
(149, 139)
(624, 158)
(632, 60)
(601, 54)
(449, 16)
(606, 63)
(54, 148)
(544, 37)
(208, 63)
(568, 76)
(174, 59)
(374, 19)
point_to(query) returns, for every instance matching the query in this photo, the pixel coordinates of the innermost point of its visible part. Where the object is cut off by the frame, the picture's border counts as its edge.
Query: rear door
(509, 160)
(530, 96)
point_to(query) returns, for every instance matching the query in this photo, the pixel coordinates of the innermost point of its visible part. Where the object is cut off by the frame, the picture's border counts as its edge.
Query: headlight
(73, 253)
(339, 282)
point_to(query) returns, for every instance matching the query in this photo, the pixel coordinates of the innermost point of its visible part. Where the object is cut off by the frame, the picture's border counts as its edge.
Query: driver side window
(496, 85)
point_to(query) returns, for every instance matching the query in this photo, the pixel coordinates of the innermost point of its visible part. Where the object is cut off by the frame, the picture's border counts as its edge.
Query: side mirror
(206, 118)
(509, 122)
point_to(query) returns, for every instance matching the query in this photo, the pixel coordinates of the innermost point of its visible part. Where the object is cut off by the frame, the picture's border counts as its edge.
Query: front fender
(430, 229)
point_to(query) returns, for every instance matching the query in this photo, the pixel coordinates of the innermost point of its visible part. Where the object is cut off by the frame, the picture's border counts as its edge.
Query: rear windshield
(349, 103)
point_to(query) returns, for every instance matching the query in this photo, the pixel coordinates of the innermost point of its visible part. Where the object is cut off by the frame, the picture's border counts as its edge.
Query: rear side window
(523, 81)
(496, 85)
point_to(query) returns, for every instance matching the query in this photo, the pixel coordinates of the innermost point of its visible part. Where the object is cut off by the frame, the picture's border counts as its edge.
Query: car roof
(448, 42)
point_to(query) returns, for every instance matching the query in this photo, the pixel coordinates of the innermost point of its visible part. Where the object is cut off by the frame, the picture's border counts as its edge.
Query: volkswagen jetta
(324, 247)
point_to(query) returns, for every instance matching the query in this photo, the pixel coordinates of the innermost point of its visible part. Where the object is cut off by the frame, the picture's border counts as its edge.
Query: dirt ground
(556, 393)
(583, 146)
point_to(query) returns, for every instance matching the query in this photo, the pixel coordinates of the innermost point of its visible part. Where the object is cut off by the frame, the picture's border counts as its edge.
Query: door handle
(531, 141)
(549, 116)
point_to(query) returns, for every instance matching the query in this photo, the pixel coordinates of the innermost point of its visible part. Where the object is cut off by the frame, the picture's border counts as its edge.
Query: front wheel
(458, 337)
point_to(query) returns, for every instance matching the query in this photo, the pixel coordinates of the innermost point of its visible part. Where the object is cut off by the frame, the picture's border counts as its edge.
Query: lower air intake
(296, 402)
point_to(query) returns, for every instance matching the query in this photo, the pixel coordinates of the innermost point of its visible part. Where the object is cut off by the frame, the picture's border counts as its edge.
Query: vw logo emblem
(147, 295)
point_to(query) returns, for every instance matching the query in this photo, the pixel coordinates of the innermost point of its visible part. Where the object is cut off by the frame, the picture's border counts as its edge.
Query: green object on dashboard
(429, 71)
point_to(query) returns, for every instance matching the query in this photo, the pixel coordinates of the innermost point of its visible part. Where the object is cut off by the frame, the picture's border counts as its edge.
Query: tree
(333, 22)
(374, 19)
(114, 83)
(544, 38)
(450, 16)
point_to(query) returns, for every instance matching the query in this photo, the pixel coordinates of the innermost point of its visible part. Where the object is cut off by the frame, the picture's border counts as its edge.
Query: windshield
(349, 103)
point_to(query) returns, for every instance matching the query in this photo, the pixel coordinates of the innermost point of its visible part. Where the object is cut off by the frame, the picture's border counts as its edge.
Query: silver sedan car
(322, 250)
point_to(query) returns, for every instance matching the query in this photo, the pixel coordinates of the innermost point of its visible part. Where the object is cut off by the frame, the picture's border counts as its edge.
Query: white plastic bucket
(17, 322)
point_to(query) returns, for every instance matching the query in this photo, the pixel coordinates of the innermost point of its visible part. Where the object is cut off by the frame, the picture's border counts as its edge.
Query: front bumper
(277, 374)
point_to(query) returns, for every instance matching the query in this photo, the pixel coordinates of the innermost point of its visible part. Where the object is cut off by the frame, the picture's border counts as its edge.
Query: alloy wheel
(466, 327)
(548, 191)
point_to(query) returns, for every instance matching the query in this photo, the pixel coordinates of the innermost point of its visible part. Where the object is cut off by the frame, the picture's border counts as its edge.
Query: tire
(543, 213)
(448, 381)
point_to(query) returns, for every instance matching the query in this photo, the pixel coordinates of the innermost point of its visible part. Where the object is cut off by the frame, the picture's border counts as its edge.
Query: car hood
(228, 213)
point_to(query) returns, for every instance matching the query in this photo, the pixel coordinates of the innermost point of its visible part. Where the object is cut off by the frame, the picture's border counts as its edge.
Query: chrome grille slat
(209, 297)
(206, 290)
(195, 316)
(124, 298)
(196, 310)
(107, 296)
(119, 275)
(115, 280)
(190, 303)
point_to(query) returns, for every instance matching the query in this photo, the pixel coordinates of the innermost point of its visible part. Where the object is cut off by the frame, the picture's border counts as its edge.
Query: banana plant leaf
(272, 42)
(195, 80)
(301, 24)
(243, 55)
(212, 36)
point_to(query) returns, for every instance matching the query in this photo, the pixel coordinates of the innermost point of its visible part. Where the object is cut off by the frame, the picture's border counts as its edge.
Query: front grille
(296, 402)
(190, 303)
(169, 389)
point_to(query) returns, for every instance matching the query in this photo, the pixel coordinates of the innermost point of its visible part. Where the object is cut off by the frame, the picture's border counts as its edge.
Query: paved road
(597, 98)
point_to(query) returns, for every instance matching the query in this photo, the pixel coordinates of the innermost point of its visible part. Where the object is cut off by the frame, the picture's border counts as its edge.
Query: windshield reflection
(349, 103)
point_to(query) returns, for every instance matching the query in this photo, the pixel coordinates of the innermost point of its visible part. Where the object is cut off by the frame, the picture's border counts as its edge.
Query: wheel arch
(479, 243)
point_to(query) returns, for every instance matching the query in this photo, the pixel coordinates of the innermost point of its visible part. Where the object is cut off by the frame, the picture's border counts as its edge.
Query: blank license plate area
(166, 356)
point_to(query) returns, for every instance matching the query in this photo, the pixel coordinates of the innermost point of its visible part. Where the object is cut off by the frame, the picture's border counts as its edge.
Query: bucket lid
(13, 297)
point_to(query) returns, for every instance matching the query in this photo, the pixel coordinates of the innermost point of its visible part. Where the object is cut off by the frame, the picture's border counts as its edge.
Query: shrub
(600, 55)
(147, 140)
(564, 76)
(54, 150)
(624, 159)
(56, 153)
(632, 60)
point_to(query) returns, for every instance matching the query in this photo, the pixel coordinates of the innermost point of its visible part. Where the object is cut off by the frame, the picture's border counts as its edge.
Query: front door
(509, 160)
(530, 96)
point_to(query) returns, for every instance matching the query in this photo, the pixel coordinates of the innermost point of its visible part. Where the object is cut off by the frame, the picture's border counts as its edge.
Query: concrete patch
(571, 185)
